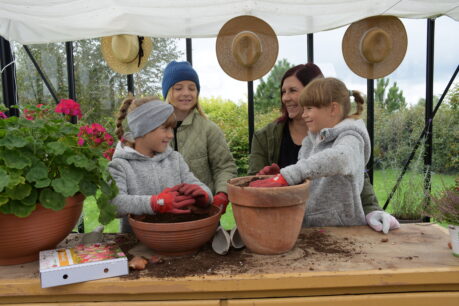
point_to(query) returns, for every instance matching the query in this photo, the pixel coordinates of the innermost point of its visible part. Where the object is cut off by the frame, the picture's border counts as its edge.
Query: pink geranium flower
(3, 116)
(69, 107)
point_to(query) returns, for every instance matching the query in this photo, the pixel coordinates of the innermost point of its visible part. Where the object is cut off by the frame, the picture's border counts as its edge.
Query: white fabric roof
(43, 21)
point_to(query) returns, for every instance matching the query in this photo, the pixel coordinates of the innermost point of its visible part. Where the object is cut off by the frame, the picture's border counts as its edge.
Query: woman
(199, 140)
(277, 145)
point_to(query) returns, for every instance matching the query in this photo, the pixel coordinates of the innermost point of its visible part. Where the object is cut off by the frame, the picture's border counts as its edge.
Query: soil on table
(308, 252)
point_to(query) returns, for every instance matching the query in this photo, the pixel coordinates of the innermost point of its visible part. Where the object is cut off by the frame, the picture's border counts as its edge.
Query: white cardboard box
(81, 263)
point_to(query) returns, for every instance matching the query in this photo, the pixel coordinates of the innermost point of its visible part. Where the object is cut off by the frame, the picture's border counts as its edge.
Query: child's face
(319, 118)
(291, 89)
(184, 96)
(157, 140)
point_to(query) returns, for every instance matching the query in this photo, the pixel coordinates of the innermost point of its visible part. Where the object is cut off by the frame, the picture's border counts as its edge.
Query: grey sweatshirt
(138, 177)
(335, 162)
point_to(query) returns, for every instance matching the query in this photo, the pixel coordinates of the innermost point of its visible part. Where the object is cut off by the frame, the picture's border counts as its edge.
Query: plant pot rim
(176, 226)
(249, 177)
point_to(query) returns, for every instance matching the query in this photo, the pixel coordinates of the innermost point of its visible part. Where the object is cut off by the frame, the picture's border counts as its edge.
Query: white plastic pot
(454, 234)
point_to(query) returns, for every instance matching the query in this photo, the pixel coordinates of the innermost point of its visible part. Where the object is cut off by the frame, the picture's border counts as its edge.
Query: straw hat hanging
(246, 48)
(126, 54)
(374, 47)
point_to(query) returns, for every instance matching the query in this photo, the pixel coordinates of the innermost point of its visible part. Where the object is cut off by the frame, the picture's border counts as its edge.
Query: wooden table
(414, 267)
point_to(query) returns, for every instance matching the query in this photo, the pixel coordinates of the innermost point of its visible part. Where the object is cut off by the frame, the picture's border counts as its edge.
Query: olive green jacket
(266, 144)
(203, 146)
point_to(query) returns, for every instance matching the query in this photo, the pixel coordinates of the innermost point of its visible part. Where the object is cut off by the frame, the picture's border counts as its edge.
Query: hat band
(246, 48)
(140, 54)
(148, 117)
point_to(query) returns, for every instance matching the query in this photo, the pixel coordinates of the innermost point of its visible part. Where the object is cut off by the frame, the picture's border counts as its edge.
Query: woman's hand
(381, 221)
(268, 170)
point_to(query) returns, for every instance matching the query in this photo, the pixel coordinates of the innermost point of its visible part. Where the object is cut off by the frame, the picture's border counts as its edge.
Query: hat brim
(351, 46)
(122, 67)
(269, 44)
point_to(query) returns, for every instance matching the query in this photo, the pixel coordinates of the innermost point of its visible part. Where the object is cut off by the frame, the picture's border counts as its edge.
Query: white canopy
(44, 21)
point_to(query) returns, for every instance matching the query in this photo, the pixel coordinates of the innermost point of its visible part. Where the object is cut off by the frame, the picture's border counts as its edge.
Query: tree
(99, 89)
(267, 95)
(394, 100)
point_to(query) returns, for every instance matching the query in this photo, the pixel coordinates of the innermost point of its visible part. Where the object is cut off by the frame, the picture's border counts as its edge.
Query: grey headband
(148, 117)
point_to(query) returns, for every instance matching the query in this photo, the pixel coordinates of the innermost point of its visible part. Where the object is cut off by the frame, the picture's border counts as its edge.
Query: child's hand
(195, 191)
(171, 201)
(221, 201)
(268, 170)
(275, 181)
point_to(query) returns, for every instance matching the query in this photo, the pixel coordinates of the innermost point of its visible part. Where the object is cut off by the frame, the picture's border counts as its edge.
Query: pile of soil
(309, 252)
(246, 183)
(173, 218)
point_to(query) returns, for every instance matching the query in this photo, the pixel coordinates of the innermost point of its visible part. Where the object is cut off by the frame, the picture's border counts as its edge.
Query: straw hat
(122, 52)
(246, 48)
(374, 47)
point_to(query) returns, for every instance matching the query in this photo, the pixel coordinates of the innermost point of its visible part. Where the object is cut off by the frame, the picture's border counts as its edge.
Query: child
(333, 156)
(151, 176)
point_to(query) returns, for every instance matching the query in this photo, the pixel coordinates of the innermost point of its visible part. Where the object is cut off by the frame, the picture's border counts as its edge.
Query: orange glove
(275, 181)
(221, 201)
(200, 195)
(171, 201)
(268, 170)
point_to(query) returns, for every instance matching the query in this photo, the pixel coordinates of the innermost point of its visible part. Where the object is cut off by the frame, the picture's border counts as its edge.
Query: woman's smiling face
(291, 89)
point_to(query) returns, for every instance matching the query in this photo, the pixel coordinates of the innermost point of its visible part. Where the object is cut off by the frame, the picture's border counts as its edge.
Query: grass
(384, 181)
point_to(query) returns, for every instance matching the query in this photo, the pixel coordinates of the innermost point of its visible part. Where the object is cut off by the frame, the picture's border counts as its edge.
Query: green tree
(267, 95)
(394, 100)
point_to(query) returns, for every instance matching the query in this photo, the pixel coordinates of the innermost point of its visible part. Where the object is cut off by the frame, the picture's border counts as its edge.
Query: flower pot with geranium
(48, 164)
(445, 208)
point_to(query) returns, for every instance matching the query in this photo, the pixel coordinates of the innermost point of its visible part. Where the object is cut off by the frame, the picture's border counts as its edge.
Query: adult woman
(278, 143)
(199, 140)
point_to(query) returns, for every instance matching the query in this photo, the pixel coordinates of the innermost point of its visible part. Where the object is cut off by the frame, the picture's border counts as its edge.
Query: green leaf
(31, 199)
(19, 192)
(17, 208)
(3, 200)
(15, 159)
(4, 179)
(81, 162)
(65, 186)
(13, 140)
(42, 183)
(15, 179)
(56, 148)
(88, 188)
(51, 199)
(72, 173)
(37, 173)
(107, 211)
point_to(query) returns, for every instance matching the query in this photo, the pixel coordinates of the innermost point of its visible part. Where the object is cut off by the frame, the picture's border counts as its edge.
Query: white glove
(381, 221)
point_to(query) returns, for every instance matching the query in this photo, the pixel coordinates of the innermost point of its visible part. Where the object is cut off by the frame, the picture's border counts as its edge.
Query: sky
(410, 75)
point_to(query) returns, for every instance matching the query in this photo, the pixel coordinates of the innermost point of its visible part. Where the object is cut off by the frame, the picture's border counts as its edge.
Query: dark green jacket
(203, 146)
(266, 144)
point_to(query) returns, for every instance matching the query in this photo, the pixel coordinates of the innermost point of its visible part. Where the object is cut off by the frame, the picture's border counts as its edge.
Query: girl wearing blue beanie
(200, 141)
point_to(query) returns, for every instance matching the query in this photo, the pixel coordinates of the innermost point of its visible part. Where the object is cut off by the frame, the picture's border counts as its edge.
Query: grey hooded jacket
(335, 161)
(138, 177)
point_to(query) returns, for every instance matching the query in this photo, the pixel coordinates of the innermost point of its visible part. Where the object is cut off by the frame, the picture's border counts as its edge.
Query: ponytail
(122, 114)
(359, 101)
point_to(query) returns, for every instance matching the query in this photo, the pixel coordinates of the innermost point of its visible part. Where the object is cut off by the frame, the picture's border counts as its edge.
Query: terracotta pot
(21, 239)
(176, 239)
(268, 219)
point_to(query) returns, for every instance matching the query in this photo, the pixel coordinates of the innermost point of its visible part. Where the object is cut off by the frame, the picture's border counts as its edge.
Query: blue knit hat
(176, 72)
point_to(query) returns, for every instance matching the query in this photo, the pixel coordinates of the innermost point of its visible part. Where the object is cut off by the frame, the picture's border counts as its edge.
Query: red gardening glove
(221, 201)
(268, 170)
(171, 201)
(200, 195)
(275, 181)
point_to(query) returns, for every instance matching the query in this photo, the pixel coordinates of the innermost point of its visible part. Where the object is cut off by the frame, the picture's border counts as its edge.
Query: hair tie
(140, 55)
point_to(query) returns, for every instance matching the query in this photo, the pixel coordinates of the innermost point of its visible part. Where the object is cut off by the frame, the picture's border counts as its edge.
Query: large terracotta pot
(176, 239)
(21, 239)
(268, 219)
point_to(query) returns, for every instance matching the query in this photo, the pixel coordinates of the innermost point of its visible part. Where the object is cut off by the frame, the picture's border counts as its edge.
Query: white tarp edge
(44, 21)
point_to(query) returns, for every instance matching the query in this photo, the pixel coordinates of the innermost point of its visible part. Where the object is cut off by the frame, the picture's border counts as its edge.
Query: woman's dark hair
(305, 73)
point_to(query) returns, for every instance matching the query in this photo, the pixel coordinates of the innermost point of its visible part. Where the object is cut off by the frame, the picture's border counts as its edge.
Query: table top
(325, 261)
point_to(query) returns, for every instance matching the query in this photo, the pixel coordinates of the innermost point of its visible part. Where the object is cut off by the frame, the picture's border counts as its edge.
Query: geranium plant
(44, 159)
